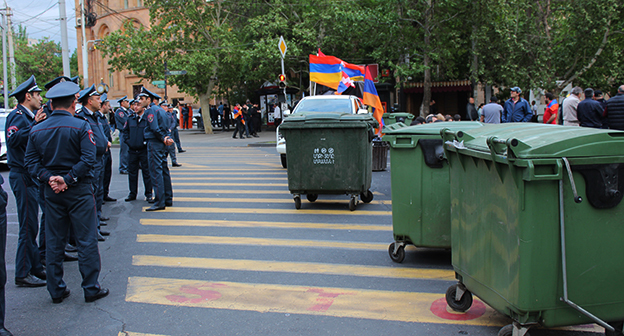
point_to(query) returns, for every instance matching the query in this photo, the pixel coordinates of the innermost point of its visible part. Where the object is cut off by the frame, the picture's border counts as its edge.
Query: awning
(445, 86)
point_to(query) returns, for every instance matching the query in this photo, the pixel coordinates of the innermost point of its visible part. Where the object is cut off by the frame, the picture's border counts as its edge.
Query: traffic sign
(282, 46)
(160, 86)
(159, 82)
(175, 72)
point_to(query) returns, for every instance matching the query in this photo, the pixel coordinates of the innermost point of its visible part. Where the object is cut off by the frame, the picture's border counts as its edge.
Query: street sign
(159, 82)
(282, 46)
(175, 72)
(160, 86)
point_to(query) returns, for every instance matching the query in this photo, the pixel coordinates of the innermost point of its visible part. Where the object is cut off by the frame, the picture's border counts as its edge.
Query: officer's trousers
(138, 159)
(26, 193)
(171, 150)
(74, 207)
(176, 138)
(3, 234)
(123, 153)
(108, 170)
(159, 171)
(98, 170)
(41, 200)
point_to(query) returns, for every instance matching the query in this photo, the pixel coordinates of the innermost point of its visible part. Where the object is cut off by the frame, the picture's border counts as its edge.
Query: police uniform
(28, 269)
(171, 149)
(65, 146)
(155, 132)
(105, 180)
(101, 145)
(121, 115)
(3, 234)
(134, 138)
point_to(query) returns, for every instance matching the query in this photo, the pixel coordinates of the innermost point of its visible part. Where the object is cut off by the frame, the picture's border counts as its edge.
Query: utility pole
(4, 63)
(9, 30)
(166, 72)
(85, 66)
(64, 43)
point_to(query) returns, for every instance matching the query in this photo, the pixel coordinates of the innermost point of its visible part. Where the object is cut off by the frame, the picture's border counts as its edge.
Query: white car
(3, 151)
(322, 104)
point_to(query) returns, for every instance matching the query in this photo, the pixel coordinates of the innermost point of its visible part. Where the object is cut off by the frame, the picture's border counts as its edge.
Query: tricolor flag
(355, 72)
(326, 70)
(344, 84)
(371, 98)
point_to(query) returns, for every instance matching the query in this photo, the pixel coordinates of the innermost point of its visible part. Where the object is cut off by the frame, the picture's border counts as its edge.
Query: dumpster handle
(577, 198)
(564, 270)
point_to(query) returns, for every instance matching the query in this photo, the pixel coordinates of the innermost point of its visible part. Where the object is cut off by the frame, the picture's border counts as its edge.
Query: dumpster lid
(530, 140)
(432, 128)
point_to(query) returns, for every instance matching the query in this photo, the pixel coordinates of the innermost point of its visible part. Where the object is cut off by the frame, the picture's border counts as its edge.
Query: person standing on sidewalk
(121, 115)
(175, 134)
(570, 105)
(516, 109)
(171, 149)
(237, 115)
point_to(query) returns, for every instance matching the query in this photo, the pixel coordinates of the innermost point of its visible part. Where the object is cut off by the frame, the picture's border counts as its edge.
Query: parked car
(3, 151)
(321, 104)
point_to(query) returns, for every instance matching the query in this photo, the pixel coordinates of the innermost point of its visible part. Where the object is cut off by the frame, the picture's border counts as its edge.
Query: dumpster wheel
(353, 202)
(297, 199)
(312, 197)
(366, 196)
(509, 329)
(399, 255)
(618, 329)
(465, 298)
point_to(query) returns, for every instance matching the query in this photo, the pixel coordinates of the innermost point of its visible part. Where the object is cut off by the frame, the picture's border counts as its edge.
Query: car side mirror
(362, 111)
(286, 112)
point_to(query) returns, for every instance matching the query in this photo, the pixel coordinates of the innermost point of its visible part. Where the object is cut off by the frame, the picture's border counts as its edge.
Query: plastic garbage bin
(380, 154)
(397, 117)
(419, 178)
(329, 153)
(536, 223)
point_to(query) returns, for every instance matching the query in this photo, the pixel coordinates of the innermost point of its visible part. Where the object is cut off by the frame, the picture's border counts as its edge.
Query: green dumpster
(397, 117)
(329, 153)
(419, 178)
(536, 222)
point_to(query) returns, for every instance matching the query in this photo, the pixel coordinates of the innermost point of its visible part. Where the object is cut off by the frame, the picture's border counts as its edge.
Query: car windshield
(324, 105)
(2, 122)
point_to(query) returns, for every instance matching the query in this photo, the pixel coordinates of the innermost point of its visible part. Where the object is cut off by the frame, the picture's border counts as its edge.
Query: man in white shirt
(277, 115)
(569, 107)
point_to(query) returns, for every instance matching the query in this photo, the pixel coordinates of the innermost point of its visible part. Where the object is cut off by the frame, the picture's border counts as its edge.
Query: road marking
(130, 333)
(284, 225)
(240, 191)
(182, 239)
(324, 301)
(344, 212)
(266, 200)
(295, 267)
(229, 173)
(226, 169)
(216, 184)
(238, 178)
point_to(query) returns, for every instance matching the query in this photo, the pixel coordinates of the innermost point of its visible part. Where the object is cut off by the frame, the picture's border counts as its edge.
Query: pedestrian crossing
(183, 264)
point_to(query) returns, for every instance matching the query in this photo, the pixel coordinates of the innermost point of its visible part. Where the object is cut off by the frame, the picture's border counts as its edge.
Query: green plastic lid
(432, 128)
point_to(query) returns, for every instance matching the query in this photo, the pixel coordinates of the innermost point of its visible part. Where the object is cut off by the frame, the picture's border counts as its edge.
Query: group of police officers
(59, 160)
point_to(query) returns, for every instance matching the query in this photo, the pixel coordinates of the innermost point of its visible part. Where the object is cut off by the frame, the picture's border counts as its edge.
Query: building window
(125, 4)
(139, 3)
(111, 78)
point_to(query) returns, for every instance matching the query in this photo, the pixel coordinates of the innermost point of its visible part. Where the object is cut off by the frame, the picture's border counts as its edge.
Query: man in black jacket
(137, 155)
(615, 110)
(589, 111)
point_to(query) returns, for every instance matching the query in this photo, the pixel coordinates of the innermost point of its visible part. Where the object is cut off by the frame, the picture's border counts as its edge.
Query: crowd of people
(60, 162)
(245, 119)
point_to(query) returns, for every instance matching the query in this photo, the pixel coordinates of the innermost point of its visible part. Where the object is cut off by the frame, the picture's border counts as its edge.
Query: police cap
(132, 101)
(149, 93)
(164, 103)
(75, 79)
(103, 97)
(63, 89)
(28, 86)
(88, 92)
(55, 81)
(122, 99)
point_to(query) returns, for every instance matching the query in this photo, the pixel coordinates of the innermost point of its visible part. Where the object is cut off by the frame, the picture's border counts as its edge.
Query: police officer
(90, 100)
(171, 150)
(108, 159)
(28, 269)
(3, 233)
(158, 138)
(61, 154)
(174, 129)
(137, 155)
(121, 115)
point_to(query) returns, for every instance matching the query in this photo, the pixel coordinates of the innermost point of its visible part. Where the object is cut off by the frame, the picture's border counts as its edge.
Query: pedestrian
(214, 116)
(256, 117)
(105, 181)
(246, 122)
(185, 116)
(492, 112)
(471, 111)
(589, 111)
(158, 138)
(480, 111)
(516, 109)
(90, 100)
(3, 234)
(171, 149)
(175, 134)
(432, 107)
(615, 110)
(61, 154)
(227, 116)
(277, 115)
(220, 111)
(237, 116)
(457, 117)
(121, 114)
(569, 108)
(552, 108)
(534, 111)
(599, 98)
(134, 137)
(28, 269)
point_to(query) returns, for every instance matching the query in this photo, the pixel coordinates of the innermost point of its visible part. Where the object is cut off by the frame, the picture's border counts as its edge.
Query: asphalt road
(234, 257)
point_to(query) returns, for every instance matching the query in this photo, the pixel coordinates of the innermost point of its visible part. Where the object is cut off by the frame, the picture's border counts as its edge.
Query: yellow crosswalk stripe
(177, 191)
(214, 184)
(176, 173)
(295, 267)
(284, 225)
(184, 239)
(344, 212)
(323, 301)
(130, 333)
(264, 200)
(238, 178)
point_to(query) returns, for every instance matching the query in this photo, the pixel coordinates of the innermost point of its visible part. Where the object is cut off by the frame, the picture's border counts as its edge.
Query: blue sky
(41, 19)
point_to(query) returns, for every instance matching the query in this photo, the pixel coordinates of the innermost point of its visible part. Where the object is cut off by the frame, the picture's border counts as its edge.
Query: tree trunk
(424, 107)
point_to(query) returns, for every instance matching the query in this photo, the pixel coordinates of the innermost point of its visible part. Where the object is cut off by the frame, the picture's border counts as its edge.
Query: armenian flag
(326, 70)
(344, 84)
(355, 72)
(371, 98)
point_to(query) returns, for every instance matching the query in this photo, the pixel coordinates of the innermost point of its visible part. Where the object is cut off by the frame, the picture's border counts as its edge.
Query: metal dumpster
(536, 222)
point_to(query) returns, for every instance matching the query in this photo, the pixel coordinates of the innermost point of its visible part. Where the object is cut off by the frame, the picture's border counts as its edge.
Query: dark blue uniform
(3, 234)
(66, 146)
(107, 158)
(134, 138)
(121, 115)
(155, 132)
(26, 192)
(172, 149)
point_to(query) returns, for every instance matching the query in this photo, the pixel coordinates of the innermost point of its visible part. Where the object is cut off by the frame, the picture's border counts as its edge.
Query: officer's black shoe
(103, 223)
(181, 151)
(255, 135)
(123, 172)
(4, 332)
(102, 293)
(99, 237)
(130, 198)
(234, 137)
(63, 297)
(70, 248)
(150, 199)
(155, 208)
(70, 257)
(41, 275)
(109, 199)
(102, 218)
(176, 164)
(104, 233)
(29, 281)
(168, 203)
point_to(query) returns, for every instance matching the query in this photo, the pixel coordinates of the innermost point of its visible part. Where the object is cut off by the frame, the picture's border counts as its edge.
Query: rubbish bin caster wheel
(465, 298)
(508, 330)
(297, 199)
(312, 197)
(618, 329)
(283, 159)
(366, 196)
(353, 202)
(399, 256)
